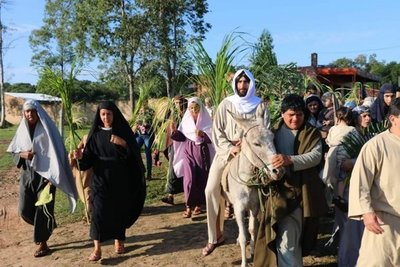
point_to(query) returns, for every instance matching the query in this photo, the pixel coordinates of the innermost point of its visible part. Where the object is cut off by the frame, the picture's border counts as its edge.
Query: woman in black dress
(118, 185)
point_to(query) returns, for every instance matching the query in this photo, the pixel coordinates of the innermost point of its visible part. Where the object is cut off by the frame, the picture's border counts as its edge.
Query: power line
(360, 51)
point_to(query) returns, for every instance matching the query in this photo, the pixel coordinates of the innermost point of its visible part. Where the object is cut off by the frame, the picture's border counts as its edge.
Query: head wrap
(29, 104)
(378, 108)
(361, 109)
(248, 102)
(50, 157)
(188, 127)
(326, 96)
(312, 98)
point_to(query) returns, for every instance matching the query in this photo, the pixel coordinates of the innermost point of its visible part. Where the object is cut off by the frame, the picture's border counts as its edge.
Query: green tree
(53, 44)
(2, 103)
(20, 88)
(273, 81)
(117, 33)
(263, 55)
(214, 76)
(170, 21)
(342, 63)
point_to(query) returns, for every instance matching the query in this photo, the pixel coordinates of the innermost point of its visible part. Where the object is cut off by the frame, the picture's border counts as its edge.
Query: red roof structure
(338, 77)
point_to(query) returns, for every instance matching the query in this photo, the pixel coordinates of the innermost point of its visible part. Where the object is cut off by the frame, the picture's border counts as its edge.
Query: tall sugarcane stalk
(63, 88)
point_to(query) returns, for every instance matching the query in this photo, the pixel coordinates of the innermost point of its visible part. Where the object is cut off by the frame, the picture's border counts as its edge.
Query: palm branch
(353, 143)
(213, 75)
(62, 87)
(144, 92)
(165, 113)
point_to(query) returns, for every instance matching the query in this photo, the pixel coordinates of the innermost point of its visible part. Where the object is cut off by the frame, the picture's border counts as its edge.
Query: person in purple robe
(193, 154)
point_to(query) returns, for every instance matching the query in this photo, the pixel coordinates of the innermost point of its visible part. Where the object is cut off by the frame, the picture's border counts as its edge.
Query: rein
(259, 180)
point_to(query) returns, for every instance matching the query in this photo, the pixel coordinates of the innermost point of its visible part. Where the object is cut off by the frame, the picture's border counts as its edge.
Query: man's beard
(242, 93)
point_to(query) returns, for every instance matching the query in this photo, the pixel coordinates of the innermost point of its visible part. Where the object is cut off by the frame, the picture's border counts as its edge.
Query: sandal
(95, 256)
(168, 199)
(41, 252)
(187, 213)
(207, 250)
(197, 210)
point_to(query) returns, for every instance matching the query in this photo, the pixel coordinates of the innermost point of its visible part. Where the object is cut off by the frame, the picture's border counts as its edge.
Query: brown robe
(303, 188)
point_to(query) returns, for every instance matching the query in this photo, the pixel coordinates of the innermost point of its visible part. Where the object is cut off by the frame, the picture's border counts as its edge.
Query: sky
(332, 29)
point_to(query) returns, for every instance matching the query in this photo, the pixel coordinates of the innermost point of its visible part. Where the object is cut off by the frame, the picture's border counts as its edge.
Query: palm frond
(165, 113)
(213, 75)
(144, 91)
(353, 143)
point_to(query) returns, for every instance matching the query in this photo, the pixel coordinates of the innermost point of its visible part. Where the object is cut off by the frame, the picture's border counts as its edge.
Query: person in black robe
(118, 184)
(380, 106)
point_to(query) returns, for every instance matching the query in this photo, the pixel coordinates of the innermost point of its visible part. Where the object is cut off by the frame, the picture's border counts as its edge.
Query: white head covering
(50, 157)
(204, 122)
(248, 102)
(188, 127)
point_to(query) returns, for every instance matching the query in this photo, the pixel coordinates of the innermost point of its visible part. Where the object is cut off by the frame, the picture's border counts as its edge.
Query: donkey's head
(257, 145)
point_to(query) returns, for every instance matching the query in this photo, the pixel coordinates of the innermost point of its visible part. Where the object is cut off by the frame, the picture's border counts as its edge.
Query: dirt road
(161, 237)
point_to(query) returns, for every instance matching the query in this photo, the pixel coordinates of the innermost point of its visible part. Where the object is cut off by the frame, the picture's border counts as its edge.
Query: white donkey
(246, 173)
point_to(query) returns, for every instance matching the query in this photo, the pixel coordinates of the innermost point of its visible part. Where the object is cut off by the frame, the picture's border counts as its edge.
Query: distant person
(314, 106)
(38, 150)
(312, 90)
(380, 106)
(193, 141)
(118, 184)
(174, 184)
(327, 116)
(374, 195)
(351, 231)
(145, 135)
(332, 174)
(209, 106)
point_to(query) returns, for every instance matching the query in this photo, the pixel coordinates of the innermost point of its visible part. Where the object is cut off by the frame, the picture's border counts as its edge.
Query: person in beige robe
(226, 139)
(374, 195)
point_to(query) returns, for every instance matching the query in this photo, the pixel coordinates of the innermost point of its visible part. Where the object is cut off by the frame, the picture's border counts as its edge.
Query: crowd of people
(309, 140)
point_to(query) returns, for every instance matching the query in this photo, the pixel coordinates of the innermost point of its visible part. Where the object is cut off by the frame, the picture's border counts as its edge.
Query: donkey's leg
(253, 228)
(239, 215)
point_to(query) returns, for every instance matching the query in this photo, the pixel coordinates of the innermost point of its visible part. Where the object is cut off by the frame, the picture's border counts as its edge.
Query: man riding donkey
(226, 137)
(288, 226)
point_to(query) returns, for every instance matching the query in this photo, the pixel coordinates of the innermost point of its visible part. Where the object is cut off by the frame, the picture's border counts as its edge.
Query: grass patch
(6, 136)
(155, 187)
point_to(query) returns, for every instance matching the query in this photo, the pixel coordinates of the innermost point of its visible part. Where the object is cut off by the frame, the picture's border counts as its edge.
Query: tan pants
(383, 249)
(214, 202)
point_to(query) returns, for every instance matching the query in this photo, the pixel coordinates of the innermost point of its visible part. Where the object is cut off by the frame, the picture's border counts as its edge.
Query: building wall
(85, 111)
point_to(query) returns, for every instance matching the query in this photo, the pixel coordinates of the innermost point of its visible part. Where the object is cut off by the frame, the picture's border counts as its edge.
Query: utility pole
(2, 104)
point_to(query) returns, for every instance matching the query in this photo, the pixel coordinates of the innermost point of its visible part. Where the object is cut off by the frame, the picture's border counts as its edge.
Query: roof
(35, 96)
(339, 76)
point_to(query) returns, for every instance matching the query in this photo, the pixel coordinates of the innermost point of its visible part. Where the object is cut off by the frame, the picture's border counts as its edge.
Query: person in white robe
(226, 137)
(38, 150)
